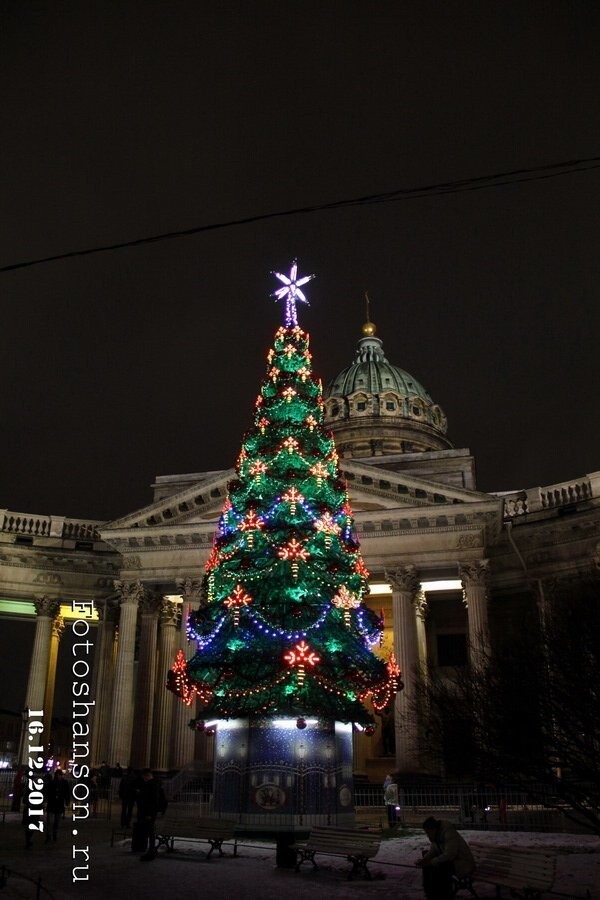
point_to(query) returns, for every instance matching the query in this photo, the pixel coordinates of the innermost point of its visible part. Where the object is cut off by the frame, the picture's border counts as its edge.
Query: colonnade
(134, 719)
(409, 610)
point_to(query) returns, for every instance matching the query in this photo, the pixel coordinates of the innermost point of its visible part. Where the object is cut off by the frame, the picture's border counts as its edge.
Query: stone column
(421, 611)
(121, 725)
(405, 587)
(183, 736)
(46, 608)
(474, 577)
(164, 702)
(103, 678)
(58, 626)
(146, 677)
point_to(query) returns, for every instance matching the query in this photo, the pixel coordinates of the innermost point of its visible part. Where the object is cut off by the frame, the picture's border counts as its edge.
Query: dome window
(361, 406)
(335, 410)
(416, 410)
(390, 405)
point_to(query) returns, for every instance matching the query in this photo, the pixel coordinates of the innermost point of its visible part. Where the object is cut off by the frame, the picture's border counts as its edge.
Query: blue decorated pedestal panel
(271, 774)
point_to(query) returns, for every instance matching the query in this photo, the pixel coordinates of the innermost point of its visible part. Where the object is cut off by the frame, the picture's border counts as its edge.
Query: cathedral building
(449, 566)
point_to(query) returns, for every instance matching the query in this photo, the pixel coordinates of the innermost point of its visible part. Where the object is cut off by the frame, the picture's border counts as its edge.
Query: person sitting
(449, 855)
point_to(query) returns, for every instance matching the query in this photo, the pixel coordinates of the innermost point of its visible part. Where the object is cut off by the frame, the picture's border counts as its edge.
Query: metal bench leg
(303, 856)
(463, 882)
(164, 840)
(359, 864)
(215, 844)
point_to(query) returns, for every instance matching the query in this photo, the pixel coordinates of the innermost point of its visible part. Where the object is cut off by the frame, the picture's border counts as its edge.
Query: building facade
(448, 563)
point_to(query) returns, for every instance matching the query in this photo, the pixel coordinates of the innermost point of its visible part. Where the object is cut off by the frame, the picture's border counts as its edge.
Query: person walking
(449, 855)
(502, 811)
(148, 805)
(390, 798)
(104, 779)
(127, 793)
(57, 796)
(25, 817)
(17, 789)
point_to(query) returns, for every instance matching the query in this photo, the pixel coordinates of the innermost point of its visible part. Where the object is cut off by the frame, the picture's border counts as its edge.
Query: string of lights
(285, 630)
(462, 185)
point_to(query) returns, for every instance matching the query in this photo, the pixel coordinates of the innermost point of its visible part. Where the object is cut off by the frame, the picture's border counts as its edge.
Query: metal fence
(7, 777)
(509, 808)
(23, 885)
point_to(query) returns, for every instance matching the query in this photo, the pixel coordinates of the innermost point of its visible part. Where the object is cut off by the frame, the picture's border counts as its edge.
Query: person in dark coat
(57, 797)
(20, 777)
(127, 795)
(148, 804)
(104, 779)
(448, 855)
(25, 816)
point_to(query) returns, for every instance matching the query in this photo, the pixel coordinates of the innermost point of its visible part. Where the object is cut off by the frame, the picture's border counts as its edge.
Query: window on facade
(335, 409)
(361, 407)
(416, 410)
(390, 404)
(452, 649)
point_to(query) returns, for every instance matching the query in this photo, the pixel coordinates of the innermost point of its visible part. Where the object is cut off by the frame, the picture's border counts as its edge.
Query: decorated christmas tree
(284, 630)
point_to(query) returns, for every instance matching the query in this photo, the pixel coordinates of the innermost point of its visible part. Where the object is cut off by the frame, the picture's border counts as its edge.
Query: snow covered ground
(578, 859)
(117, 874)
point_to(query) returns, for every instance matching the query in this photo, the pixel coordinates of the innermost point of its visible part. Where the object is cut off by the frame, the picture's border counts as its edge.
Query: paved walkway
(117, 874)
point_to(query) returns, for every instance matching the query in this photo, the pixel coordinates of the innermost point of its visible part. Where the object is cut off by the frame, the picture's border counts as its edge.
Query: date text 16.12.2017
(35, 763)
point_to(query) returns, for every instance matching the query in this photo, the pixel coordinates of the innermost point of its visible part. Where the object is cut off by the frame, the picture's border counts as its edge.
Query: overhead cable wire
(462, 185)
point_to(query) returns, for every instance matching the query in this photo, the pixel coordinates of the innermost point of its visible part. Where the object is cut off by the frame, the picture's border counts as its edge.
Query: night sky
(128, 119)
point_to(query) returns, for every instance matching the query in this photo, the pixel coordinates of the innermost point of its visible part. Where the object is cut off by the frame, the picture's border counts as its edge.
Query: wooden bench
(528, 873)
(174, 826)
(357, 846)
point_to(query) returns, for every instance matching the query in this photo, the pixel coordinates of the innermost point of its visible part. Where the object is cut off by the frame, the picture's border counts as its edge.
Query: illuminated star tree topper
(291, 293)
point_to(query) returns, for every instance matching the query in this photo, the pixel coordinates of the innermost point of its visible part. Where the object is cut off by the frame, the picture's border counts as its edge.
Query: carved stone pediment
(372, 489)
(372, 484)
(197, 503)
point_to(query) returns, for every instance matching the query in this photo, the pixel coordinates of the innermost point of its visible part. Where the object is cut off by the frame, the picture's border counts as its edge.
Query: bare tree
(527, 711)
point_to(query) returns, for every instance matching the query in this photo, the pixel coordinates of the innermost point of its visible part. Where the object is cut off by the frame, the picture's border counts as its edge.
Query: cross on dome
(291, 293)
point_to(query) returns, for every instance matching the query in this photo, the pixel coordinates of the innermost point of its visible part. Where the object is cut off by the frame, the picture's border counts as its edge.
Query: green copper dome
(372, 372)
(377, 409)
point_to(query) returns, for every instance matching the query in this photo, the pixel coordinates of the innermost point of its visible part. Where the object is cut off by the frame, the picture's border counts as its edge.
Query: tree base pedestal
(273, 777)
(285, 857)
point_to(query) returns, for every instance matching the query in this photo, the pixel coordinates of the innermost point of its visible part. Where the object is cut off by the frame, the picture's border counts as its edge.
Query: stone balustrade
(49, 526)
(81, 530)
(515, 504)
(519, 503)
(567, 492)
